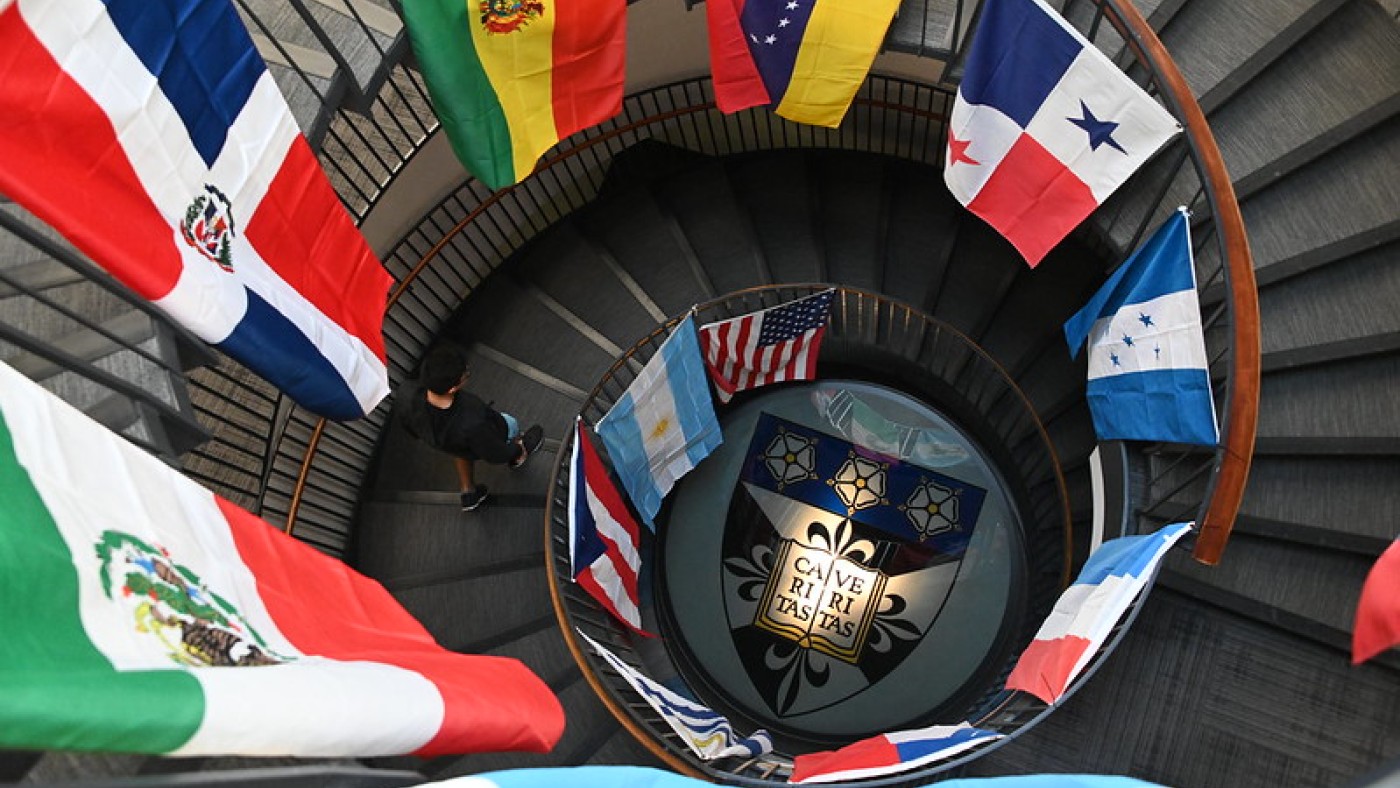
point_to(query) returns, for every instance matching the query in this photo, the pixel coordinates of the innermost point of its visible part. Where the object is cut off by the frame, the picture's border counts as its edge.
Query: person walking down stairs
(441, 413)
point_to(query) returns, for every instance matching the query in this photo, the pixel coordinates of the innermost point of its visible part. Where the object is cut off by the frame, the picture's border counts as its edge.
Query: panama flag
(889, 753)
(1149, 378)
(664, 424)
(707, 733)
(1044, 127)
(604, 537)
(1087, 611)
(144, 614)
(151, 135)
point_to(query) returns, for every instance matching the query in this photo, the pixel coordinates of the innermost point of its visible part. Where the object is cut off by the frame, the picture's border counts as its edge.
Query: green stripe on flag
(57, 691)
(462, 94)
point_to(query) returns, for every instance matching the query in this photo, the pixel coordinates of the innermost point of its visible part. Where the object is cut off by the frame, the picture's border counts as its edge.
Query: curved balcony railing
(860, 321)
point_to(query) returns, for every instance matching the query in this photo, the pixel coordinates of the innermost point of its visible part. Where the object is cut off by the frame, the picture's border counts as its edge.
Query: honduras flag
(1148, 374)
(1045, 127)
(664, 424)
(151, 135)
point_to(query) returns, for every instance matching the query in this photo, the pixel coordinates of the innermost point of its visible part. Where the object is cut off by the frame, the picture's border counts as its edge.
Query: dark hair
(444, 367)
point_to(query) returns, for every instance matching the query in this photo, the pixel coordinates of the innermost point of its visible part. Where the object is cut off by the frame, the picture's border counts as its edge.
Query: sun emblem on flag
(208, 227)
(860, 482)
(508, 16)
(790, 458)
(171, 606)
(931, 508)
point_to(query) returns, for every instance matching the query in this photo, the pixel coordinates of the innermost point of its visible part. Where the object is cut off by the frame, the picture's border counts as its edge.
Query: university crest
(171, 606)
(208, 227)
(840, 563)
(508, 16)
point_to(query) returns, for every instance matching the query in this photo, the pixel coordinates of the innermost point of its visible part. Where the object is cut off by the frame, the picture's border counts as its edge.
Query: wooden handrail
(1240, 419)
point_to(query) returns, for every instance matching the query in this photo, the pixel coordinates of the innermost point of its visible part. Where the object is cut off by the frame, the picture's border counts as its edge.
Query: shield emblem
(837, 560)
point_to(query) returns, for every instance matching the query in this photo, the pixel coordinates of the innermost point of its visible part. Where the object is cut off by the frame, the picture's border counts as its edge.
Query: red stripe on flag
(61, 160)
(301, 230)
(1033, 199)
(738, 85)
(327, 609)
(588, 52)
(1044, 668)
(1377, 626)
(865, 754)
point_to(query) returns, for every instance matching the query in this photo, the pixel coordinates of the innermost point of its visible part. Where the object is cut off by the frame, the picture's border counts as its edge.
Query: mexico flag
(141, 613)
(508, 80)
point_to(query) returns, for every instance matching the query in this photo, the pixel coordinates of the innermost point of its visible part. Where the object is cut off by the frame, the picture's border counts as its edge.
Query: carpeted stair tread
(1349, 299)
(1350, 399)
(468, 615)
(407, 545)
(774, 189)
(630, 226)
(924, 220)
(851, 203)
(1349, 495)
(701, 201)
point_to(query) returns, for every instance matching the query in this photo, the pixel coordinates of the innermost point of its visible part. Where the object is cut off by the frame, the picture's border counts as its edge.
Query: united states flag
(768, 346)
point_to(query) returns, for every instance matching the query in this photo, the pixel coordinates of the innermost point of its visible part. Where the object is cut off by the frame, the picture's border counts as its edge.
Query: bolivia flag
(1085, 613)
(141, 613)
(510, 78)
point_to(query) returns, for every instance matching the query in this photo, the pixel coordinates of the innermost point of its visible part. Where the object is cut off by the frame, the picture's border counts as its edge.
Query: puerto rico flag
(144, 614)
(151, 135)
(1087, 611)
(889, 753)
(603, 536)
(1044, 127)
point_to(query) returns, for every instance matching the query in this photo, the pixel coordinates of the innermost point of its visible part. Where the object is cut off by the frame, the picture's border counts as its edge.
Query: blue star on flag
(1100, 131)
(1127, 340)
(1145, 319)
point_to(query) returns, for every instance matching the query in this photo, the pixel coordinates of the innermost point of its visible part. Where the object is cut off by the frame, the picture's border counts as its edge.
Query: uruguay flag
(889, 753)
(151, 135)
(664, 424)
(1148, 373)
(604, 537)
(1044, 127)
(1086, 612)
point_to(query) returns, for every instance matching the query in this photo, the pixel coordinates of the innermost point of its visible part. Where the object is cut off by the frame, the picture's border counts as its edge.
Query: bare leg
(464, 473)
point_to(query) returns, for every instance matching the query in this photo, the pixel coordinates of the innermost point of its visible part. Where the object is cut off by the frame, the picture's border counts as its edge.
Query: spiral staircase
(1232, 674)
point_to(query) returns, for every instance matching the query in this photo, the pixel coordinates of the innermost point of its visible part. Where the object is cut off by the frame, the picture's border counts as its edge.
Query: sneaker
(475, 498)
(531, 440)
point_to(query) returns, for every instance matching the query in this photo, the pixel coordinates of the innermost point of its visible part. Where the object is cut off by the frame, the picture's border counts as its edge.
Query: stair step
(1215, 44)
(37, 276)
(923, 226)
(775, 188)
(1344, 68)
(851, 208)
(1351, 399)
(131, 328)
(701, 201)
(415, 545)
(1349, 299)
(565, 266)
(631, 228)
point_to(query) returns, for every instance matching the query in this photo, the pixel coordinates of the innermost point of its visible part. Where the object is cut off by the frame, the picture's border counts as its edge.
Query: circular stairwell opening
(849, 561)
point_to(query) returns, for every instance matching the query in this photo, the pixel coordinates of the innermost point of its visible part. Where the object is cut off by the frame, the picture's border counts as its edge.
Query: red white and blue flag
(603, 536)
(1087, 611)
(1044, 127)
(768, 346)
(889, 753)
(151, 135)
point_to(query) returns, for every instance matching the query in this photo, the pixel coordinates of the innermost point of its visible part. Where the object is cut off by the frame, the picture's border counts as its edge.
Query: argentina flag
(1149, 377)
(664, 424)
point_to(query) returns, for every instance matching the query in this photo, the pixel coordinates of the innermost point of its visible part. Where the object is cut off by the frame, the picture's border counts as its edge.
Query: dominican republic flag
(1086, 612)
(1044, 127)
(768, 346)
(1377, 625)
(889, 753)
(604, 538)
(1149, 378)
(144, 614)
(150, 134)
(664, 424)
(707, 734)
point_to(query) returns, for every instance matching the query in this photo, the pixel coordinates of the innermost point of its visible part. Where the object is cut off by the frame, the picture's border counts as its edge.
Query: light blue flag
(665, 423)
(1148, 376)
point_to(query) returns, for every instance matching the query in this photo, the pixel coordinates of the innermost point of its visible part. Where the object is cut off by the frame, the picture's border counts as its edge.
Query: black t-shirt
(469, 428)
